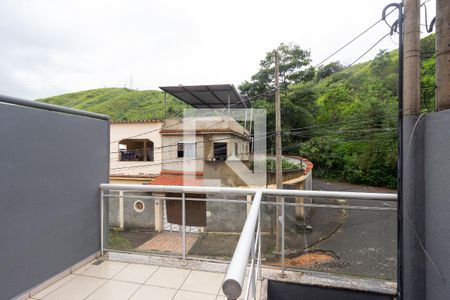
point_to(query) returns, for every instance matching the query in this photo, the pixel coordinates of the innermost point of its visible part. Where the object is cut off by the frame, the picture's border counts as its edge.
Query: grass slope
(120, 103)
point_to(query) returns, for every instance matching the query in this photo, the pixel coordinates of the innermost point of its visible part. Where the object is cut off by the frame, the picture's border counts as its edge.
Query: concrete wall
(172, 162)
(121, 131)
(225, 217)
(426, 207)
(437, 204)
(123, 215)
(52, 162)
(413, 206)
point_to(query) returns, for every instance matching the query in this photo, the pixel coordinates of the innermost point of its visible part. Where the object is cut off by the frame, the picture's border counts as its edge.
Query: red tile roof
(178, 180)
(181, 173)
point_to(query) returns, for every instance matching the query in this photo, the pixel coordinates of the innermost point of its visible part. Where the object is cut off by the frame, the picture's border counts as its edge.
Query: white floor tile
(136, 273)
(106, 269)
(203, 282)
(77, 288)
(53, 287)
(148, 292)
(84, 268)
(186, 295)
(168, 277)
(114, 290)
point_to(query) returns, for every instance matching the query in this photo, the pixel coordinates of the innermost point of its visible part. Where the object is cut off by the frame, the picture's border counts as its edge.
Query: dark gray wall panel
(413, 207)
(278, 290)
(51, 165)
(437, 210)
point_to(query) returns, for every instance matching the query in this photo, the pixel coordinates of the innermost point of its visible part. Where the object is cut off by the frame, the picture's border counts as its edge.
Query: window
(236, 149)
(139, 206)
(220, 151)
(186, 150)
(136, 150)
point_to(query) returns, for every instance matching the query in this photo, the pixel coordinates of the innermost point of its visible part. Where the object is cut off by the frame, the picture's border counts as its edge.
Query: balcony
(106, 279)
(171, 264)
(61, 235)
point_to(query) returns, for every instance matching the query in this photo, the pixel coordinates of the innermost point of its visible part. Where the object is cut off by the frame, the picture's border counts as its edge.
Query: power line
(352, 40)
(360, 121)
(222, 110)
(373, 46)
(311, 127)
(366, 139)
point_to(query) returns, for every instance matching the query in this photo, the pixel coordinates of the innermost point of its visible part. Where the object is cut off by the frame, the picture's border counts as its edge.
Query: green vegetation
(287, 165)
(121, 103)
(344, 119)
(118, 241)
(270, 164)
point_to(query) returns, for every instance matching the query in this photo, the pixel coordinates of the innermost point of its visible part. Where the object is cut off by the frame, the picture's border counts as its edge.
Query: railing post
(101, 223)
(252, 274)
(283, 227)
(259, 245)
(183, 226)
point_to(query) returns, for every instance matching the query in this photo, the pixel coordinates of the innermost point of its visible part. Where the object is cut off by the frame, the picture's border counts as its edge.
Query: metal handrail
(234, 279)
(248, 191)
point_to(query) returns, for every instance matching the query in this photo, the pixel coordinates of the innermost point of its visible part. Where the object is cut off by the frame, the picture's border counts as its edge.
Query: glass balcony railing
(334, 232)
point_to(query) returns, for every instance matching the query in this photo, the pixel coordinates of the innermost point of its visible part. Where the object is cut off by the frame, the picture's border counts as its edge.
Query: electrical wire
(360, 121)
(360, 139)
(373, 46)
(352, 40)
(157, 129)
(428, 27)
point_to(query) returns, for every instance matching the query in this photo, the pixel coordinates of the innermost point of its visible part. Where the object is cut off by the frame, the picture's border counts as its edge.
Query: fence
(271, 237)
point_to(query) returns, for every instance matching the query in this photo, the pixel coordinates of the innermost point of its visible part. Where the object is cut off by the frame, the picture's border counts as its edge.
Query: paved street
(366, 242)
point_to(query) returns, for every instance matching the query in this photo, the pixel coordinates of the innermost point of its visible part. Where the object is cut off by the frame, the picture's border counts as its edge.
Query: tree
(294, 68)
(328, 70)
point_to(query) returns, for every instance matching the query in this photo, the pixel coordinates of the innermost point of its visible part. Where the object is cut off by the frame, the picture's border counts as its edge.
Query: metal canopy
(209, 96)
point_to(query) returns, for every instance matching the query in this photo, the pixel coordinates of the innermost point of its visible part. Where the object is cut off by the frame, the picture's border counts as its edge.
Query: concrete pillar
(249, 205)
(300, 210)
(159, 212)
(442, 55)
(144, 151)
(121, 211)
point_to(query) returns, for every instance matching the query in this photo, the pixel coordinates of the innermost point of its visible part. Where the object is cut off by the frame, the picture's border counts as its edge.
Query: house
(142, 150)
(207, 147)
(135, 155)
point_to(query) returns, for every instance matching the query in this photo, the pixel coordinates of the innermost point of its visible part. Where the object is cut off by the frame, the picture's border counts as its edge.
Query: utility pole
(279, 163)
(411, 65)
(278, 146)
(442, 55)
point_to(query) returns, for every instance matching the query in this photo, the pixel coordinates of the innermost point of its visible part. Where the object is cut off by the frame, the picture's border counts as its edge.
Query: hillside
(120, 103)
(344, 119)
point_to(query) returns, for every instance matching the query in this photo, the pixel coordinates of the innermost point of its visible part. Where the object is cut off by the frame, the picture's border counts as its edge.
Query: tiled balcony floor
(118, 280)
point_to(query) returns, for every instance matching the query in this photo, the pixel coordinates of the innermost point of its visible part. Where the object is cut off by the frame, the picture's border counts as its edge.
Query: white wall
(204, 150)
(121, 131)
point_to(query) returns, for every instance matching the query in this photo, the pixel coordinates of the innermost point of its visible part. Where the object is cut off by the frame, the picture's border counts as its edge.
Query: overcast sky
(49, 47)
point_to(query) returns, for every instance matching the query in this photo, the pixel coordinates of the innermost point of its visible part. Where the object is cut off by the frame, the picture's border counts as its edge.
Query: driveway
(366, 242)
